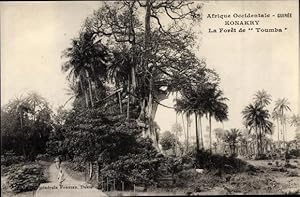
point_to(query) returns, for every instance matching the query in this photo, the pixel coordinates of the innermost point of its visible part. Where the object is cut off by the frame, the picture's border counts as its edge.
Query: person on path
(57, 162)
(60, 177)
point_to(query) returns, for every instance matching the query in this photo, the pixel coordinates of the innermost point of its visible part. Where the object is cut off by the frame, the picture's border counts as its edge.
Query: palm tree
(276, 116)
(267, 143)
(87, 62)
(262, 98)
(215, 106)
(281, 106)
(231, 137)
(257, 118)
(183, 106)
(244, 144)
(219, 133)
(36, 102)
(295, 120)
(284, 121)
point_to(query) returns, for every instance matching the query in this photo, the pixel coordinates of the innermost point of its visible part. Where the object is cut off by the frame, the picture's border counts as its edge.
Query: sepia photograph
(150, 98)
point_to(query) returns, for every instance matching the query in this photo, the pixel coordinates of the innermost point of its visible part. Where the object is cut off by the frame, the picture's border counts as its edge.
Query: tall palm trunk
(285, 139)
(284, 130)
(261, 141)
(90, 88)
(201, 131)
(278, 128)
(84, 92)
(187, 133)
(197, 134)
(282, 125)
(257, 141)
(185, 136)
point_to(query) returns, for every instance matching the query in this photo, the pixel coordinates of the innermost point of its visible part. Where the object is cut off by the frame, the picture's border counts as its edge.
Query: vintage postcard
(150, 97)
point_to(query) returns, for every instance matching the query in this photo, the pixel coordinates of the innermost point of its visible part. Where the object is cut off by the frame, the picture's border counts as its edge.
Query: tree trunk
(90, 88)
(133, 47)
(187, 133)
(120, 102)
(278, 128)
(23, 133)
(233, 149)
(90, 170)
(84, 92)
(201, 132)
(33, 114)
(197, 134)
(260, 141)
(128, 102)
(257, 142)
(176, 132)
(133, 77)
(284, 131)
(210, 132)
(98, 172)
(183, 126)
(147, 28)
(282, 126)
(146, 62)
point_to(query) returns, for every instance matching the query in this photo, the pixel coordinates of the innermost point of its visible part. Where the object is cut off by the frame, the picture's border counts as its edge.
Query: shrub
(133, 169)
(142, 166)
(175, 164)
(26, 178)
(183, 176)
(295, 153)
(6, 170)
(9, 159)
(207, 160)
(190, 179)
(77, 164)
(44, 157)
(262, 157)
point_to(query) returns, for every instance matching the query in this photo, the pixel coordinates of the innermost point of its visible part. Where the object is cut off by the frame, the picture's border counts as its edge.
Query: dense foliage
(25, 125)
(141, 167)
(207, 160)
(168, 141)
(26, 178)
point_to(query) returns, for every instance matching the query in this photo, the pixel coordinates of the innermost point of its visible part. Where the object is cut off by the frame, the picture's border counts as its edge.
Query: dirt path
(53, 172)
(69, 188)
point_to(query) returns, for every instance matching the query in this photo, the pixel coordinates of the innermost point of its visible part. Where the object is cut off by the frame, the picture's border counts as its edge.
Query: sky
(34, 34)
